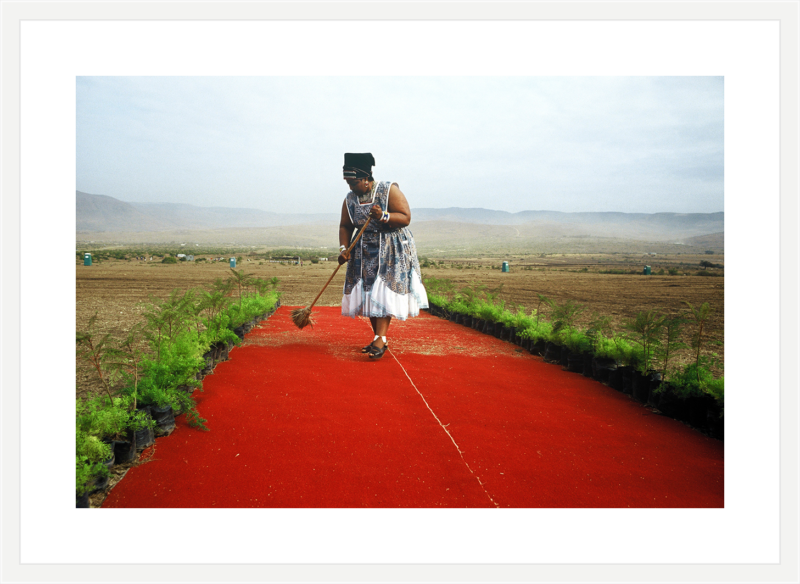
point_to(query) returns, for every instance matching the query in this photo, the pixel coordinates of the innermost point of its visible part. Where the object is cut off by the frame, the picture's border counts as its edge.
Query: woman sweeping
(383, 279)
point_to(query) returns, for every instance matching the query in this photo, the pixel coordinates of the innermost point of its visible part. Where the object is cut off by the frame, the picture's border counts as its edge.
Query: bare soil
(116, 289)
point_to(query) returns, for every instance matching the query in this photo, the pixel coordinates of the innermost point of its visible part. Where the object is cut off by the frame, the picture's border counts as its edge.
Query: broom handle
(340, 265)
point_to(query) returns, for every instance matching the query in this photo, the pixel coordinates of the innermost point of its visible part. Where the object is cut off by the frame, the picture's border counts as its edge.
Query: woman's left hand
(376, 212)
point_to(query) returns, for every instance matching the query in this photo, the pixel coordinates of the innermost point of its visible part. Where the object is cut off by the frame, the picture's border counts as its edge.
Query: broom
(302, 316)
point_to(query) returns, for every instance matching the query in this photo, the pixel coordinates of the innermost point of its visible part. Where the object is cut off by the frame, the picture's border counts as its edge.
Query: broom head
(302, 317)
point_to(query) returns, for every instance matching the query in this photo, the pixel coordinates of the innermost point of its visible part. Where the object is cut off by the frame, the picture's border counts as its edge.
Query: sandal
(369, 347)
(377, 353)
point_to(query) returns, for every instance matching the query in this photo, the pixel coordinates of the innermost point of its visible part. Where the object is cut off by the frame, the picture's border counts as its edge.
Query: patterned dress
(383, 276)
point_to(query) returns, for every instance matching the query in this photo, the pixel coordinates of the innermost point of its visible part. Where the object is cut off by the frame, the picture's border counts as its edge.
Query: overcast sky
(629, 144)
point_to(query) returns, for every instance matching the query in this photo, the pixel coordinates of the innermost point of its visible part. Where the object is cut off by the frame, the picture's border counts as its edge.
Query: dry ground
(116, 289)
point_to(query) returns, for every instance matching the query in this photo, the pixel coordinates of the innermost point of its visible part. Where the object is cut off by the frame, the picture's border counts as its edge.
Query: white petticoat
(381, 301)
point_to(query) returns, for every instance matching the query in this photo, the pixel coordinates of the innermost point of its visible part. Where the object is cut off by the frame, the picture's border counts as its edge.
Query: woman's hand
(343, 257)
(376, 212)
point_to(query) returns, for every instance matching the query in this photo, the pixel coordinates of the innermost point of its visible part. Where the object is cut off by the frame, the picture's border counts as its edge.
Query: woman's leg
(381, 328)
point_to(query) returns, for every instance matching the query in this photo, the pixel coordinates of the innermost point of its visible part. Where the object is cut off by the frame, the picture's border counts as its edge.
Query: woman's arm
(346, 228)
(399, 211)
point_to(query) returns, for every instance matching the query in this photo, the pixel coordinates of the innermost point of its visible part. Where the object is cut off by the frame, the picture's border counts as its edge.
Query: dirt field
(115, 289)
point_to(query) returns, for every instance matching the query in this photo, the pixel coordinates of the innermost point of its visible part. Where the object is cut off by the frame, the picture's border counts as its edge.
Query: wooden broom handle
(340, 265)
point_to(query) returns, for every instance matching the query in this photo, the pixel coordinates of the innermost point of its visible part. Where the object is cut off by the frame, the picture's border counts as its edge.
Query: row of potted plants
(637, 360)
(148, 377)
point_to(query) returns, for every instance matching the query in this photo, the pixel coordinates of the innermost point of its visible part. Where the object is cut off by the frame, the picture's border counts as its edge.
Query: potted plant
(90, 454)
(564, 316)
(662, 396)
(646, 328)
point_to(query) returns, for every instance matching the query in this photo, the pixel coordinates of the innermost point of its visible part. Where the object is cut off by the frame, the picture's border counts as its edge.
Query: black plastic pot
(654, 379)
(82, 501)
(627, 379)
(698, 411)
(575, 362)
(125, 449)
(671, 404)
(165, 420)
(716, 421)
(587, 364)
(239, 332)
(552, 352)
(208, 357)
(497, 331)
(564, 358)
(640, 387)
(538, 347)
(146, 436)
(219, 351)
(602, 368)
(98, 484)
(615, 379)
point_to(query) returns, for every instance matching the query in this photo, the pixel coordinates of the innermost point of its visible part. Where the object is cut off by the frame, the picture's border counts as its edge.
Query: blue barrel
(87, 259)
(505, 266)
(233, 262)
(647, 270)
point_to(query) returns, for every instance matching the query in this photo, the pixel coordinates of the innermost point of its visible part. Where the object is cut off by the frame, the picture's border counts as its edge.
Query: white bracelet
(342, 248)
(385, 218)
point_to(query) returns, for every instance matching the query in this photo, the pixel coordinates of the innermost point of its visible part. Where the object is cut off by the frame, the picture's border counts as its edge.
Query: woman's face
(359, 186)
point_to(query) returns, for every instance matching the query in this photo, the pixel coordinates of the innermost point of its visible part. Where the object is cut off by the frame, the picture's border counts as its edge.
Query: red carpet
(448, 418)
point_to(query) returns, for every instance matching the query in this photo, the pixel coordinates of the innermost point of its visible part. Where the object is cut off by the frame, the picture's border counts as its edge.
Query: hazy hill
(104, 213)
(101, 217)
(613, 224)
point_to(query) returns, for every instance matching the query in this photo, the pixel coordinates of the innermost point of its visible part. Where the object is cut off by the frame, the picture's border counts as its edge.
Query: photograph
(530, 310)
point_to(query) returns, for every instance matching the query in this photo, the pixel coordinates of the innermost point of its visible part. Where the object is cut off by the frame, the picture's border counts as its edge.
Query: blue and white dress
(383, 276)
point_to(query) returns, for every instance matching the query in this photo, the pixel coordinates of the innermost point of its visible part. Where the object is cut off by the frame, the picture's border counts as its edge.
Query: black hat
(358, 165)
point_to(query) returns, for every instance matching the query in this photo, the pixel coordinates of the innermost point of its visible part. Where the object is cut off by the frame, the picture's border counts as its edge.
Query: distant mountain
(598, 223)
(100, 213)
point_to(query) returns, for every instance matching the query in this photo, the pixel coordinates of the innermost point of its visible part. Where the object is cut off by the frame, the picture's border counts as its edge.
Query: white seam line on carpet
(443, 427)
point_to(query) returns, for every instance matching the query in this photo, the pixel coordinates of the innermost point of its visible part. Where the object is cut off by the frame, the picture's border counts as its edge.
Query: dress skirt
(383, 274)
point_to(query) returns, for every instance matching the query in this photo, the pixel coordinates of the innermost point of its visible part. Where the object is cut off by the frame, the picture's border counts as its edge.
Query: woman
(383, 278)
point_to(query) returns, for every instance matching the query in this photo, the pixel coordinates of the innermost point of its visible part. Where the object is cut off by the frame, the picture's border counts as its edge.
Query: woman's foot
(378, 348)
(372, 344)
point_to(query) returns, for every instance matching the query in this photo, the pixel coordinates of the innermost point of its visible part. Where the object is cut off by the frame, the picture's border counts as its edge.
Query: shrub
(97, 418)
(697, 380)
(576, 341)
(169, 260)
(540, 330)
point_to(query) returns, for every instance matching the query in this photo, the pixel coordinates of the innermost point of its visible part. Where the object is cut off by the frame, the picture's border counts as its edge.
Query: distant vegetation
(101, 252)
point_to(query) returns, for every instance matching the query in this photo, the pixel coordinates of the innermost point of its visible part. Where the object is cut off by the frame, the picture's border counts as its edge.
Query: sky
(571, 144)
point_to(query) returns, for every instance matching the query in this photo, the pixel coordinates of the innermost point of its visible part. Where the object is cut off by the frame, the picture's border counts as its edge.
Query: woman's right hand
(344, 256)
